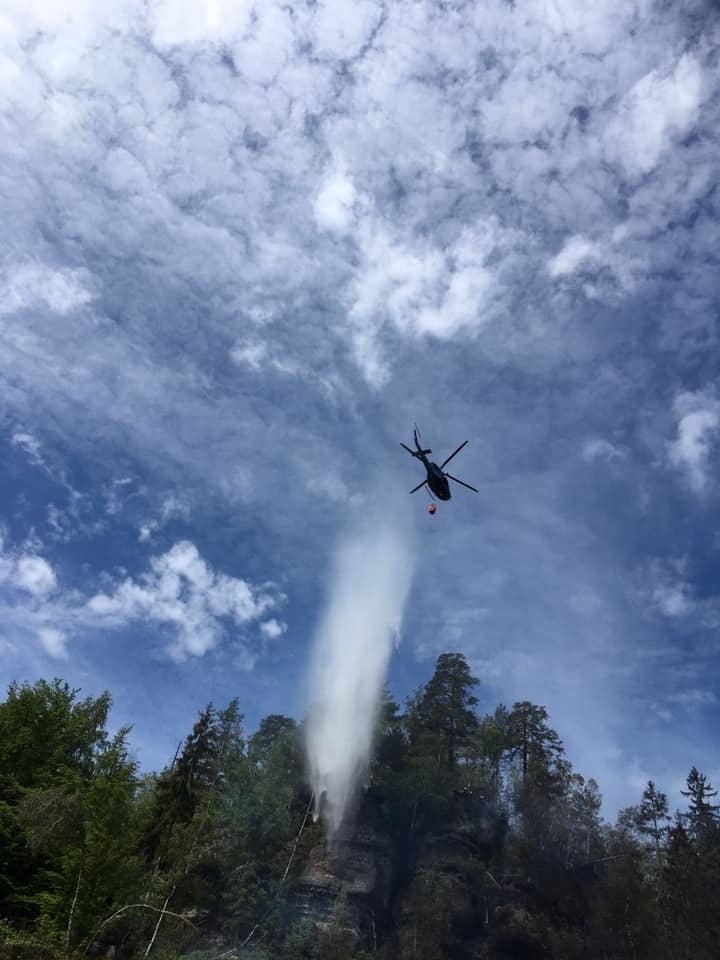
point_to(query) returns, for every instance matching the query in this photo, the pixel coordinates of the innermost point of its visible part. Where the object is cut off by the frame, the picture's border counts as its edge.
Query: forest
(472, 837)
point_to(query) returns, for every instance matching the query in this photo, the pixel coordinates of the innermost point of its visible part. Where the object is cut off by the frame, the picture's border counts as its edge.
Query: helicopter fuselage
(436, 480)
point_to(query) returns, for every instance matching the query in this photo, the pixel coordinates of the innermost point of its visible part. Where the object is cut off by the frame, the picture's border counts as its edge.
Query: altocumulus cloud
(192, 605)
(466, 172)
(181, 592)
(31, 285)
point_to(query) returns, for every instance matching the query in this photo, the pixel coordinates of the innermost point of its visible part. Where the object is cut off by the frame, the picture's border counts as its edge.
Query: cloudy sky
(245, 245)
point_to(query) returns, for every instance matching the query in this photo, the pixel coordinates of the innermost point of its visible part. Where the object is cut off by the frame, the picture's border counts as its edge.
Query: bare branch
(140, 906)
(159, 921)
(297, 838)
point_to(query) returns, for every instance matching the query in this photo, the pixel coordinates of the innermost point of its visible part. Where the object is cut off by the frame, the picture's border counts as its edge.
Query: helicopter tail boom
(419, 452)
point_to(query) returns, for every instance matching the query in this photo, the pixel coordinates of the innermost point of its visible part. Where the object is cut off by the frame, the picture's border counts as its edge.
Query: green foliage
(299, 941)
(390, 748)
(444, 709)
(65, 793)
(531, 740)
(426, 923)
(205, 859)
(47, 736)
(19, 945)
(337, 940)
(702, 815)
(492, 746)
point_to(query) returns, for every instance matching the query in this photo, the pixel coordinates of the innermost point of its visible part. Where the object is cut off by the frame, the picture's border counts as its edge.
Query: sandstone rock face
(348, 884)
(358, 884)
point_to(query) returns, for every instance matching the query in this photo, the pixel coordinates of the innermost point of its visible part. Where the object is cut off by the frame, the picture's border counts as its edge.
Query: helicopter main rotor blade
(462, 482)
(415, 489)
(411, 452)
(454, 453)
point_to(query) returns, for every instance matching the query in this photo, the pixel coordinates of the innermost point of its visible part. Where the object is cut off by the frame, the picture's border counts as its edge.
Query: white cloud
(575, 251)
(30, 445)
(180, 593)
(665, 587)
(615, 254)
(249, 352)
(35, 575)
(27, 571)
(115, 495)
(272, 629)
(467, 283)
(75, 518)
(596, 448)
(31, 601)
(30, 285)
(183, 594)
(422, 289)
(673, 599)
(334, 204)
(203, 161)
(698, 420)
(175, 22)
(172, 506)
(54, 642)
(341, 27)
(75, 18)
(660, 108)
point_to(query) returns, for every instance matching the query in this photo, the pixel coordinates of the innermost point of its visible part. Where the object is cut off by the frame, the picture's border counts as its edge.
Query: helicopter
(436, 479)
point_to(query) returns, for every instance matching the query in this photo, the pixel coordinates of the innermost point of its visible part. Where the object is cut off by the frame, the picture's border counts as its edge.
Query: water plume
(369, 582)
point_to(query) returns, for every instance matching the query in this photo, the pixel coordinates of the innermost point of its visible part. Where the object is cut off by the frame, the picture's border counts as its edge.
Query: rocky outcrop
(349, 883)
(358, 883)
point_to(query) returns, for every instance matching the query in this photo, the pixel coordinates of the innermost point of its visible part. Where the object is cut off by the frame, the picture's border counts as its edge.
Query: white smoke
(370, 579)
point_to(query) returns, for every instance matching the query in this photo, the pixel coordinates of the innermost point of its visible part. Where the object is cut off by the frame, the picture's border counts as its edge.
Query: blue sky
(246, 245)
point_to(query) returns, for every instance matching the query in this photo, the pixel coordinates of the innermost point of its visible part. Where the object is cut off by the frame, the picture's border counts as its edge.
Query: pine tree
(532, 739)
(182, 787)
(702, 815)
(690, 894)
(446, 704)
(583, 827)
(653, 818)
(493, 746)
(273, 729)
(390, 747)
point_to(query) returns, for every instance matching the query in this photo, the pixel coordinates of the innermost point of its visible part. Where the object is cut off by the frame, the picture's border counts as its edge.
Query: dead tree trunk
(159, 921)
(74, 901)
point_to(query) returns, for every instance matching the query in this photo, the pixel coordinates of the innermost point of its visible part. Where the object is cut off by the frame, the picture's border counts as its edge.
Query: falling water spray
(369, 583)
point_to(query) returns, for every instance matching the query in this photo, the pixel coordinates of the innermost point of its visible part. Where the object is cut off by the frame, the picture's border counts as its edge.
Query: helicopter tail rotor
(414, 453)
(417, 436)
